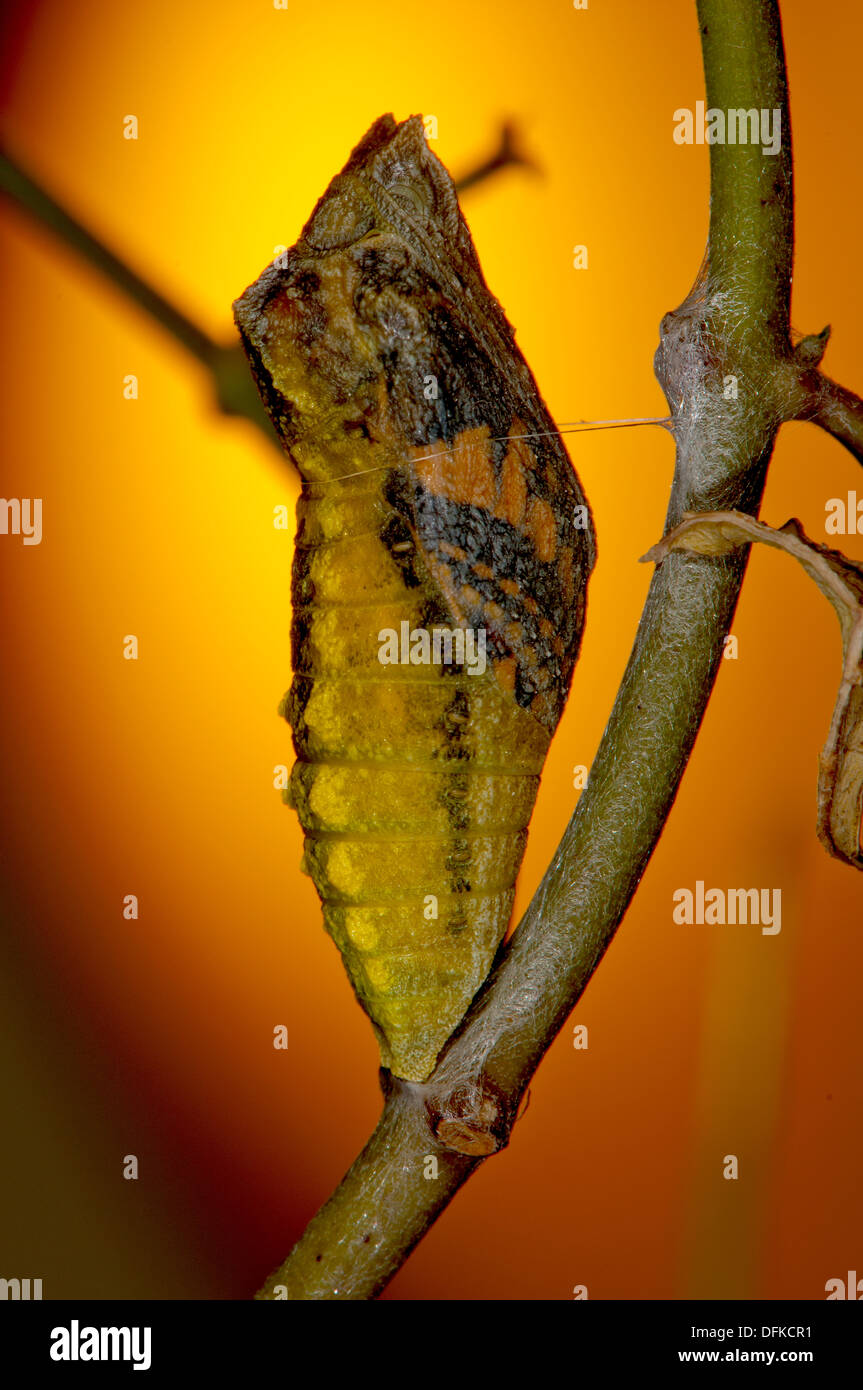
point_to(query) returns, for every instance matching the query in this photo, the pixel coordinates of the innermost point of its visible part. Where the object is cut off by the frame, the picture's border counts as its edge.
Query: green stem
(812, 396)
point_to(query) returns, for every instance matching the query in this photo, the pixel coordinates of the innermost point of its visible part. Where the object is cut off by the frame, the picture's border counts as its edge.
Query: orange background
(155, 777)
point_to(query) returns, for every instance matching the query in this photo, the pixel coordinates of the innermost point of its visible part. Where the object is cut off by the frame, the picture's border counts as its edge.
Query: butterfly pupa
(439, 582)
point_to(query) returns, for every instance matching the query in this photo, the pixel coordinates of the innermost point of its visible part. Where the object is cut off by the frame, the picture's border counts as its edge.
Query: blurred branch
(734, 322)
(226, 364)
(506, 154)
(18, 184)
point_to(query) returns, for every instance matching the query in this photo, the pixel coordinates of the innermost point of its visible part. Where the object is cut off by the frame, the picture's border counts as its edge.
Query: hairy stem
(812, 396)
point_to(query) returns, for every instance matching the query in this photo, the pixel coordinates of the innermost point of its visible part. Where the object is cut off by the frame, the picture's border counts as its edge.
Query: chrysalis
(439, 582)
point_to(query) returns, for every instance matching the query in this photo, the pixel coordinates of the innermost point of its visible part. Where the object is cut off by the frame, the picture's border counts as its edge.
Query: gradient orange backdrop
(155, 777)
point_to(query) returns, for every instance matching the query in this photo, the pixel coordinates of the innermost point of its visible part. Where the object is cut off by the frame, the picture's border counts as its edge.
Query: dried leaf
(840, 776)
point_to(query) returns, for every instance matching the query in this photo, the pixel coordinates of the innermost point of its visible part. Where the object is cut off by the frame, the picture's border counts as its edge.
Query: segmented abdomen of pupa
(414, 782)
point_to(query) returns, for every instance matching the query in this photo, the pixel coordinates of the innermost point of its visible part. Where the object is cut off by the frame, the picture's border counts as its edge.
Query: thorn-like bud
(810, 350)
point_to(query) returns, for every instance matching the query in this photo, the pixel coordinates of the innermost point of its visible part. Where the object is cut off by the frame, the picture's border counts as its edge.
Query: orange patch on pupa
(513, 491)
(509, 586)
(518, 462)
(481, 570)
(541, 529)
(464, 473)
(505, 672)
(519, 446)
(564, 569)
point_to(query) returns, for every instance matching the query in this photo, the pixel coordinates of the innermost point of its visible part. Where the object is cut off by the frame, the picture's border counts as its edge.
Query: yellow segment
(414, 784)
